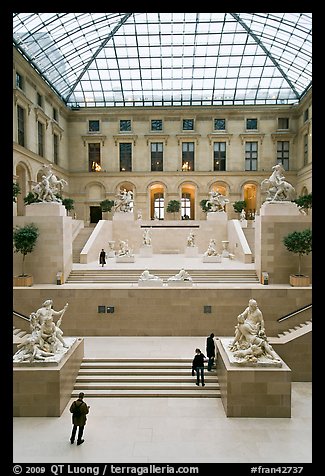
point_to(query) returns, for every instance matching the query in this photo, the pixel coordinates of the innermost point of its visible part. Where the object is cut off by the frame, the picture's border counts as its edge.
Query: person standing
(102, 257)
(210, 351)
(79, 410)
(198, 366)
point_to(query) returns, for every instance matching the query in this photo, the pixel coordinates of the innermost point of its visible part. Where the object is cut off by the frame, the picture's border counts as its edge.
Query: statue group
(48, 189)
(124, 201)
(276, 187)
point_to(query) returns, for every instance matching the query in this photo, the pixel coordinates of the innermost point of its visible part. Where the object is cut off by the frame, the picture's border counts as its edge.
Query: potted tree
(24, 238)
(300, 243)
(204, 206)
(304, 202)
(68, 203)
(173, 206)
(239, 205)
(16, 191)
(106, 207)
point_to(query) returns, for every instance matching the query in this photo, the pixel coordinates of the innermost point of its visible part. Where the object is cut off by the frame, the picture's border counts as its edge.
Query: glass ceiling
(169, 59)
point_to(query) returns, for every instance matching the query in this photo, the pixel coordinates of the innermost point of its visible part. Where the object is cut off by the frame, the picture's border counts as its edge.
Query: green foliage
(300, 243)
(16, 190)
(68, 203)
(239, 205)
(106, 205)
(31, 198)
(173, 206)
(203, 204)
(24, 238)
(304, 201)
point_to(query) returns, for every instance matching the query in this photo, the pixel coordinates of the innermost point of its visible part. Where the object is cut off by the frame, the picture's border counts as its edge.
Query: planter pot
(23, 280)
(299, 280)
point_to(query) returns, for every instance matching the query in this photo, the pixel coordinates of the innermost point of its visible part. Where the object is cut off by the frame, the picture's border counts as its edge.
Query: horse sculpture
(123, 203)
(217, 201)
(277, 188)
(47, 189)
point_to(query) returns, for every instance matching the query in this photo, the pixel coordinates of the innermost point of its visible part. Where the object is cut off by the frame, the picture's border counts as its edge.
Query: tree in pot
(107, 205)
(173, 206)
(68, 203)
(239, 205)
(204, 206)
(300, 243)
(24, 238)
(304, 202)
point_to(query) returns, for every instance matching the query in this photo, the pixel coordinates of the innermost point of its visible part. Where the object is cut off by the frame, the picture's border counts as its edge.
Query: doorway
(95, 214)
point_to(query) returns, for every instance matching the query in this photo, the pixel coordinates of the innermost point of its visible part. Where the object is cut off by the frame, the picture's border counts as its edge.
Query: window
(40, 138)
(306, 115)
(305, 149)
(156, 125)
(186, 205)
(187, 156)
(55, 148)
(283, 123)
(125, 157)
(19, 81)
(93, 126)
(159, 206)
(219, 156)
(21, 125)
(39, 100)
(251, 124)
(156, 156)
(220, 124)
(251, 156)
(188, 124)
(125, 125)
(94, 157)
(282, 154)
(55, 114)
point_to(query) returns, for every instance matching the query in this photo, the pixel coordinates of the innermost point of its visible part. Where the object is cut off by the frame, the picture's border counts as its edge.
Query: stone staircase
(104, 275)
(100, 377)
(79, 242)
(292, 332)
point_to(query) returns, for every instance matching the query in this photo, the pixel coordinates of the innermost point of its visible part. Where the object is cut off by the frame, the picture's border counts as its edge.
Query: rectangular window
(188, 156)
(219, 156)
(159, 206)
(305, 149)
(55, 114)
(188, 124)
(94, 157)
(186, 206)
(283, 123)
(39, 100)
(125, 157)
(156, 125)
(19, 81)
(251, 124)
(156, 157)
(282, 154)
(55, 148)
(251, 156)
(93, 126)
(40, 138)
(220, 124)
(125, 125)
(306, 115)
(21, 125)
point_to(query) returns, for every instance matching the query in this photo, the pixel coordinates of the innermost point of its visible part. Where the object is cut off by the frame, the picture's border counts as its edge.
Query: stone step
(139, 386)
(197, 392)
(141, 372)
(139, 378)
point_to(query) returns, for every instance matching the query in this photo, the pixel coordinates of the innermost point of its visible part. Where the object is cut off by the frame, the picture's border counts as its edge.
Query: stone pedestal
(243, 223)
(123, 216)
(151, 283)
(47, 209)
(283, 208)
(225, 252)
(111, 251)
(248, 391)
(178, 284)
(212, 259)
(125, 259)
(145, 251)
(217, 216)
(191, 252)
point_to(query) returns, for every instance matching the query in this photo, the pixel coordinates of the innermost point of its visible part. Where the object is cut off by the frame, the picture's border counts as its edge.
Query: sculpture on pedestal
(216, 201)
(124, 201)
(212, 248)
(250, 342)
(276, 187)
(242, 215)
(146, 276)
(46, 338)
(191, 239)
(49, 187)
(182, 275)
(146, 237)
(124, 249)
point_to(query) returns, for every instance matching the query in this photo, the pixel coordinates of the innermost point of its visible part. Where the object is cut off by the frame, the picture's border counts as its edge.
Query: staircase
(79, 242)
(292, 333)
(128, 276)
(142, 378)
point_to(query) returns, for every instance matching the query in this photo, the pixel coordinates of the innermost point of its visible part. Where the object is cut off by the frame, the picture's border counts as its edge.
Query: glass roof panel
(107, 59)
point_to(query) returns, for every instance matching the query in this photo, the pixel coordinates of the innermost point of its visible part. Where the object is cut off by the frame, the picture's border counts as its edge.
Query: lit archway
(249, 192)
(157, 201)
(188, 202)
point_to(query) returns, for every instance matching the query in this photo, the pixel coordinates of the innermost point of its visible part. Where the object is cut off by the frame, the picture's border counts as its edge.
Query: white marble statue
(47, 189)
(124, 249)
(146, 276)
(124, 201)
(250, 340)
(46, 338)
(146, 237)
(139, 214)
(217, 201)
(191, 239)
(242, 215)
(276, 187)
(182, 275)
(212, 248)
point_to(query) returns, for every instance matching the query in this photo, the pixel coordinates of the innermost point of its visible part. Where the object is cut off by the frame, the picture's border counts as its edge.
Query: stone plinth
(176, 284)
(220, 217)
(191, 252)
(125, 259)
(243, 223)
(150, 283)
(212, 259)
(145, 251)
(253, 391)
(46, 390)
(123, 216)
(42, 209)
(283, 208)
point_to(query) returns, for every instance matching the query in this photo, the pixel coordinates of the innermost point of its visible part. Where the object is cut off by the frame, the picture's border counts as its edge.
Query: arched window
(159, 206)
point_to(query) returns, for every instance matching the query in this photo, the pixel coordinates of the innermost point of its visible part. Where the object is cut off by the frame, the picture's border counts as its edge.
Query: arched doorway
(249, 191)
(188, 202)
(157, 202)
(21, 174)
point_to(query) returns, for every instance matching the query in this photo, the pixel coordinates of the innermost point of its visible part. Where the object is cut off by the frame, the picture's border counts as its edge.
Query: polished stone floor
(165, 430)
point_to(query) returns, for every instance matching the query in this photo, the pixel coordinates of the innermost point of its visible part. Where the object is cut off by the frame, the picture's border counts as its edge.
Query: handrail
(291, 314)
(22, 316)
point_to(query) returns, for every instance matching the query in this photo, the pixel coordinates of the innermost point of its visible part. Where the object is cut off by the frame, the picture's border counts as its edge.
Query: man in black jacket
(198, 366)
(210, 351)
(79, 410)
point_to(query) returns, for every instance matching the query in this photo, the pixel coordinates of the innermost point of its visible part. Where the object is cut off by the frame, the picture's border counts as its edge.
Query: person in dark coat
(102, 257)
(198, 366)
(79, 418)
(210, 351)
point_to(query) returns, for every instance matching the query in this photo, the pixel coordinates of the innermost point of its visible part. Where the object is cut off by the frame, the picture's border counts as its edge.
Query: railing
(21, 316)
(291, 314)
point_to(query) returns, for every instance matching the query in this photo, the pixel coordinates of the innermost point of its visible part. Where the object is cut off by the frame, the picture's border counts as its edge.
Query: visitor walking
(210, 348)
(79, 410)
(102, 257)
(198, 366)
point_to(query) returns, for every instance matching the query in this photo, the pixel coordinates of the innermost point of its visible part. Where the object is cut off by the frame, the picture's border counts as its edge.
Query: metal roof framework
(169, 59)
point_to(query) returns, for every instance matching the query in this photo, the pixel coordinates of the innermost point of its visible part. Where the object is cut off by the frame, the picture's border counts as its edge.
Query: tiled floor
(165, 430)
